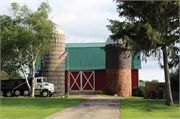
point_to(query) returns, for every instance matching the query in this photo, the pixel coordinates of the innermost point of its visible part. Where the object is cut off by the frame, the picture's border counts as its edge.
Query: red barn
(86, 63)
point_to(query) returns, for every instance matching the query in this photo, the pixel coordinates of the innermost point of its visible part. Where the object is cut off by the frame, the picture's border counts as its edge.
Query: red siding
(134, 77)
(66, 81)
(100, 79)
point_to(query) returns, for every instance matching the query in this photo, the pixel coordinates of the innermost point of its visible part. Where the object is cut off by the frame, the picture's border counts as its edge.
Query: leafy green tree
(9, 64)
(4, 75)
(29, 35)
(151, 28)
(154, 80)
(141, 80)
(11, 68)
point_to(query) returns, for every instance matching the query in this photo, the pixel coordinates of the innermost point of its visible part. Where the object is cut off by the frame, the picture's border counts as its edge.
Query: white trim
(75, 81)
(94, 80)
(138, 77)
(81, 79)
(87, 80)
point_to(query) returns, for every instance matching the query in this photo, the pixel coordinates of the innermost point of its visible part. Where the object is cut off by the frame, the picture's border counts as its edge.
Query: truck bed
(12, 83)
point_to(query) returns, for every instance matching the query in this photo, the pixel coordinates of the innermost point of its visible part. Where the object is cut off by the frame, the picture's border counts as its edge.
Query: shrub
(174, 77)
(139, 91)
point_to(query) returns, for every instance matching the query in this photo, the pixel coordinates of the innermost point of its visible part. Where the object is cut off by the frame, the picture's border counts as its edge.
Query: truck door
(39, 84)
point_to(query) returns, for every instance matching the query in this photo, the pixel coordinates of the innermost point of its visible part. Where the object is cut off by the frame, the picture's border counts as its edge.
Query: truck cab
(43, 88)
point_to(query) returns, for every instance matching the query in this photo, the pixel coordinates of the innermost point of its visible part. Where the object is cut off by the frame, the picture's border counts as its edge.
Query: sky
(85, 21)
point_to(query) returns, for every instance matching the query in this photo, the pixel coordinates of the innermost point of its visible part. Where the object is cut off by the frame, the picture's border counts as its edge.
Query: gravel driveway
(95, 107)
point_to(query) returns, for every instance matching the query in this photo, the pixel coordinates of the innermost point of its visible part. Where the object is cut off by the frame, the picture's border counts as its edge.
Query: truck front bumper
(51, 93)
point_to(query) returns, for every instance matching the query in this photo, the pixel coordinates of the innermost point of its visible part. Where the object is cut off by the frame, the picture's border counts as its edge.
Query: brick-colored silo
(118, 71)
(54, 68)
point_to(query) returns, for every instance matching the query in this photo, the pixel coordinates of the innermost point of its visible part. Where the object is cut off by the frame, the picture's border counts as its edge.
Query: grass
(18, 107)
(148, 108)
(105, 95)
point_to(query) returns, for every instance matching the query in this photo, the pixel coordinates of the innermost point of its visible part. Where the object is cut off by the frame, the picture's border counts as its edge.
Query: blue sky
(85, 21)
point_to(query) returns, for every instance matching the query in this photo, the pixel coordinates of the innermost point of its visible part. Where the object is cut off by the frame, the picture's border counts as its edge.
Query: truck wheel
(26, 92)
(45, 93)
(17, 92)
(9, 93)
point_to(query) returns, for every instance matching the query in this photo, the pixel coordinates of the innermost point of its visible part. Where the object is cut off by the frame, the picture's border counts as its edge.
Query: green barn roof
(90, 56)
(85, 56)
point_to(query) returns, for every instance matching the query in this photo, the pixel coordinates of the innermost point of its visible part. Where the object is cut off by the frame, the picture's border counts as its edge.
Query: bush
(174, 77)
(139, 91)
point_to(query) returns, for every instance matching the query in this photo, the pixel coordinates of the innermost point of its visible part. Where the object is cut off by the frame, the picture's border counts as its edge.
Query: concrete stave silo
(118, 71)
(54, 68)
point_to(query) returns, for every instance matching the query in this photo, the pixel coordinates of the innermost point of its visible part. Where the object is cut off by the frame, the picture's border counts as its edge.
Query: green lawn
(105, 95)
(148, 108)
(17, 107)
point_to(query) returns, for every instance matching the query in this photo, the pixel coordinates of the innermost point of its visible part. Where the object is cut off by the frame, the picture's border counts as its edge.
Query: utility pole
(68, 70)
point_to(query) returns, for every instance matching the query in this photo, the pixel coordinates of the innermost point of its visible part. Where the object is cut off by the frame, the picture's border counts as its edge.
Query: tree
(154, 80)
(174, 77)
(141, 80)
(151, 28)
(8, 66)
(4, 75)
(12, 69)
(12, 47)
(30, 34)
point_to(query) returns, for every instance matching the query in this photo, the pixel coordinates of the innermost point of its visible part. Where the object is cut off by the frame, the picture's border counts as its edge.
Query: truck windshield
(39, 81)
(44, 80)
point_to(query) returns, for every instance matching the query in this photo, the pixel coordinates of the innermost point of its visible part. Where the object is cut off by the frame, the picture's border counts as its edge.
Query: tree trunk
(33, 76)
(169, 100)
(27, 82)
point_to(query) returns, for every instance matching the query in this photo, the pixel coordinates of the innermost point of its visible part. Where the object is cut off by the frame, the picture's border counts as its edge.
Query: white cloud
(150, 74)
(82, 19)
(87, 19)
(151, 70)
(75, 39)
(66, 19)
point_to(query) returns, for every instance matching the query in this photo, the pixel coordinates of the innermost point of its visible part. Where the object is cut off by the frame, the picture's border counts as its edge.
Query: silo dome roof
(110, 41)
(58, 29)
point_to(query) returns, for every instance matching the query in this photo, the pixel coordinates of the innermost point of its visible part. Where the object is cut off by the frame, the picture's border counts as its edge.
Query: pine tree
(151, 28)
